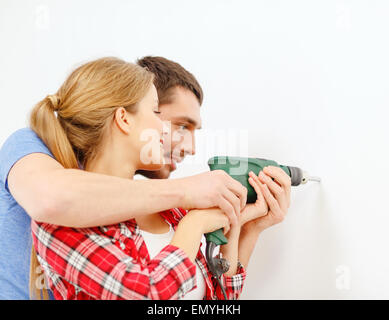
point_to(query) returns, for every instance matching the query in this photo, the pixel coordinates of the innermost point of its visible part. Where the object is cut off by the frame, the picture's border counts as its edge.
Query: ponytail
(44, 121)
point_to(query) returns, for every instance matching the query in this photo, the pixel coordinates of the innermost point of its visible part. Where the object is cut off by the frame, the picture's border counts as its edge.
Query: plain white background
(308, 81)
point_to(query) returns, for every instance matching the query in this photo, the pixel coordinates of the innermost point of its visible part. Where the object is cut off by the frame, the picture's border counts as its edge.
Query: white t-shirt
(156, 242)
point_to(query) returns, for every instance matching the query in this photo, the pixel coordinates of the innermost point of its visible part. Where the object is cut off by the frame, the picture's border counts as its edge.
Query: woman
(102, 119)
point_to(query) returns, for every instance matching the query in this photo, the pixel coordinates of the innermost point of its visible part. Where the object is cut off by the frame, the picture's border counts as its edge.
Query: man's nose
(193, 145)
(189, 145)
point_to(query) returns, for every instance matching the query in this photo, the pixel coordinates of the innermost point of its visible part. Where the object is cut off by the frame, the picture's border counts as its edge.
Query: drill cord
(216, 272)
(222, 287)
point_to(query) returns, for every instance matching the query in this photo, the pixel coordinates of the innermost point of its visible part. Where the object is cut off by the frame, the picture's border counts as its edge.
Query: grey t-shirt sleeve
(19, 144)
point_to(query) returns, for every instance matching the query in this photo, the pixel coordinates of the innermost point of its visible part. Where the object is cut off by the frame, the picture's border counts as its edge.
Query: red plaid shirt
(112, 262)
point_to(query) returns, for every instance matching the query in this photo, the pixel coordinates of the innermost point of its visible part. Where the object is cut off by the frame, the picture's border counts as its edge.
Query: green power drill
(239, 168)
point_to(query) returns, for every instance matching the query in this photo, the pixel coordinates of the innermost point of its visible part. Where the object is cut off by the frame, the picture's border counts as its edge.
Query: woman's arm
(229, 251)
(76, 198)
(193, 225)
(247, 242)
(213, 219)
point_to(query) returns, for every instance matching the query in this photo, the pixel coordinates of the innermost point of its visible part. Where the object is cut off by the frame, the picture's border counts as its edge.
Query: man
(180, 97)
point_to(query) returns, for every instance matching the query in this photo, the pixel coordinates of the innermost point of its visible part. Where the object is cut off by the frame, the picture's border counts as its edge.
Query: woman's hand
(257, 209)
(207, 220)
(276, 194)
(192, 227)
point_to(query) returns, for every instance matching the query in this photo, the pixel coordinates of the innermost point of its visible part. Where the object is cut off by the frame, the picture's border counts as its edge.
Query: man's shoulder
(23, 135)
(24, 139)
(18, 145)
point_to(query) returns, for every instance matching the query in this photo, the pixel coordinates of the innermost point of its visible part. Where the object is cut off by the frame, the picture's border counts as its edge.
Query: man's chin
(164, 172)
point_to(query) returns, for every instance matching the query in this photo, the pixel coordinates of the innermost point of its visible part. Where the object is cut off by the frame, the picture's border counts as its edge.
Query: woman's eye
(157, 112)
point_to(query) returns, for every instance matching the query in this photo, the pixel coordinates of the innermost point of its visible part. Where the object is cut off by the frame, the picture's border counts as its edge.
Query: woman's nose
(165, 129)
(188, 146)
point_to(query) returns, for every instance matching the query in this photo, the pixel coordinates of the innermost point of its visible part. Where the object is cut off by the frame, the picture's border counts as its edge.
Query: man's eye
(157, 112)
(182, 127)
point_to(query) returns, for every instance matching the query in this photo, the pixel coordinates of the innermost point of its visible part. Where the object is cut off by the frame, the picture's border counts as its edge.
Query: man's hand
(215, 189)
(276, 193)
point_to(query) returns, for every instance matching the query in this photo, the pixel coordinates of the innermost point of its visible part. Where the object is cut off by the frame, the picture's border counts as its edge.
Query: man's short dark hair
(168, 75)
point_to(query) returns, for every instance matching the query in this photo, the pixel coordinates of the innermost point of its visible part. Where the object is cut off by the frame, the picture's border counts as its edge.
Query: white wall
(308, 80)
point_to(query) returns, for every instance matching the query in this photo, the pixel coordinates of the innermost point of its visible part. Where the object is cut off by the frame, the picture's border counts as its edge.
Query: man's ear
(122, 120)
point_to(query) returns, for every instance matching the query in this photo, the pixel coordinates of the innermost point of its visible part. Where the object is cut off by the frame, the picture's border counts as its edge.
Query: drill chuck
(296, 176)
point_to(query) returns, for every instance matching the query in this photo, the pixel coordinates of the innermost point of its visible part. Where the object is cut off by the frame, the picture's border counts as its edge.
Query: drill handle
(217, 237)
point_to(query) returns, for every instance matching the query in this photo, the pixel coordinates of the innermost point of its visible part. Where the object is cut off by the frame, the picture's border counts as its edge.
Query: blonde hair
(73, 121)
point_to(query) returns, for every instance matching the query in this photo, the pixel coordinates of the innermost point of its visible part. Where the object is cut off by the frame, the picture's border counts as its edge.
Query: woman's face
(147, 132)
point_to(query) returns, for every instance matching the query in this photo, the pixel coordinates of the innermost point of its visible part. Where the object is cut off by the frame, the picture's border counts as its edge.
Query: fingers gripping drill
(239, 168)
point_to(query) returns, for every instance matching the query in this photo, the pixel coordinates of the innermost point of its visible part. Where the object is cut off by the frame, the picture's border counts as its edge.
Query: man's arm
(75, 198)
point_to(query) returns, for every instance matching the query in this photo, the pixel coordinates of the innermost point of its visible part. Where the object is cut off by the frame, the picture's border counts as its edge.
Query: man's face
(182, 114)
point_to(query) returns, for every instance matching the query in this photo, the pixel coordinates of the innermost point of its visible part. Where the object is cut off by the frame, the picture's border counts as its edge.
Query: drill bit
(317, 179)
(307, 177)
